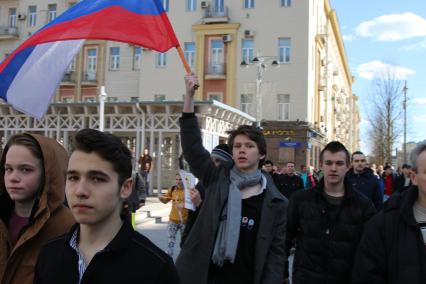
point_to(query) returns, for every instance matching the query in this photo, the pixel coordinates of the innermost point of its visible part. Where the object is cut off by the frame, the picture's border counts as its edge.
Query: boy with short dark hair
(101, 247)
(325, 225)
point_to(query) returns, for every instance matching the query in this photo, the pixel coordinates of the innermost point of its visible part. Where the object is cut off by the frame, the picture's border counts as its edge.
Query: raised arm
(195, 154)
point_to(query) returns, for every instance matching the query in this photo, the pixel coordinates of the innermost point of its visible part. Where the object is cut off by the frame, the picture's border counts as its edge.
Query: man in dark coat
(403, 181)
(393, 247)
(239, 234)
(289, 182)
(364, 181)
(326, 224)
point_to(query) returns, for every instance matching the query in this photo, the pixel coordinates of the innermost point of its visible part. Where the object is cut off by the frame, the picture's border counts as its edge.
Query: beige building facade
(303, 102)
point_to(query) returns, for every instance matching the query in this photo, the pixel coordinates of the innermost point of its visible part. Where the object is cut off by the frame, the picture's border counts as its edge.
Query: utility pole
(405, 89)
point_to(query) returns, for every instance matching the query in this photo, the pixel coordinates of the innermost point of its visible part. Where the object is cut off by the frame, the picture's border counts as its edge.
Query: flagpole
(182, 57)
(185, 63)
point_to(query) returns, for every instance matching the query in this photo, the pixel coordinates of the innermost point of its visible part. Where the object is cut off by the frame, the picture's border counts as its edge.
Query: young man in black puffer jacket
(326, 224)
(393, 247)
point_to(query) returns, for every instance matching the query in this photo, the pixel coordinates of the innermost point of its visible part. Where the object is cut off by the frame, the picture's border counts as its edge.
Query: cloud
(393, 27)
(420, 118)
(419, 101)
(376, 69)
(416, 46)
(348, 38)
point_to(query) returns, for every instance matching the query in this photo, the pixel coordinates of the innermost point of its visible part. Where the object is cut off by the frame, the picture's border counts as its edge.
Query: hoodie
(49, 217)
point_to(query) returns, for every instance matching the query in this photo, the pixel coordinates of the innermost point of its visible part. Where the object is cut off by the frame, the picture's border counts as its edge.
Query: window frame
(284, 51)
(32, 16)
(248, 4)
(114, 59)
(283, 107)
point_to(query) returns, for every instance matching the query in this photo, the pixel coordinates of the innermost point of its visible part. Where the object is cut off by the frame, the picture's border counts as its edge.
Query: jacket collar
(121, 240)
(405, 202)
(346, 184)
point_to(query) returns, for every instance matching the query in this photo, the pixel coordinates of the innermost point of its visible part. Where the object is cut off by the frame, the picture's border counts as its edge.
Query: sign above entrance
(291, 144)
(279, 132)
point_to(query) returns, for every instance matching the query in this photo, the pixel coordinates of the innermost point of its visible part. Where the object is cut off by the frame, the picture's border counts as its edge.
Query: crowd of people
(66, 217)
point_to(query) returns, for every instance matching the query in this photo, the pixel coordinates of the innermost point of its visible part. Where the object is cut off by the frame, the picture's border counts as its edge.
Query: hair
(356, 153)
(387, 167)
(406, 166)
(268, 162)
(420, 148)
(334, 147)
(291, 162)
(108, 147)
(254, 134)
(29, 142)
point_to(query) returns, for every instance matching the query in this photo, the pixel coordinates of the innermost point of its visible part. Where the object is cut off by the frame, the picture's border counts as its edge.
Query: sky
(386, 33)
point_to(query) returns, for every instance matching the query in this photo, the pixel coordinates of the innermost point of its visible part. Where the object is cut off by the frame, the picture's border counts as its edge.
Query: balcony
(69, 78)
(216, 71)
(8, 33)
(89, 78)
(214, 15)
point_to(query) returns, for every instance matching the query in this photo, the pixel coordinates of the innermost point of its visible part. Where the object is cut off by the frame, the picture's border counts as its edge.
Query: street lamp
(262, 63)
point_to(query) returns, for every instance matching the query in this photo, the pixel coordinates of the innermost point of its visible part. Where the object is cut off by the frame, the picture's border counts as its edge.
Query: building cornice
(331, 14)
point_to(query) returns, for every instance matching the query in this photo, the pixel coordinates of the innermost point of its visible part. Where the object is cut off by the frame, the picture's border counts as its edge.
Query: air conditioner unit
(249, 33)
(204, 4)
(22, 17)
(227, 38)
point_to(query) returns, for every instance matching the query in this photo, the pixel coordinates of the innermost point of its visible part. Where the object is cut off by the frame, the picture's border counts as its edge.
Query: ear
(262, 157)
(413, 177)
(126, 188)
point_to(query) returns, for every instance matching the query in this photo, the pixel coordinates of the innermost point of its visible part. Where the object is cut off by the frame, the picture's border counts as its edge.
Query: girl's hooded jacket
(49, 217)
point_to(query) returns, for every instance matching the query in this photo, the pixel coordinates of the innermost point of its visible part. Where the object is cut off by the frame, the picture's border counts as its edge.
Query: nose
(81, 189)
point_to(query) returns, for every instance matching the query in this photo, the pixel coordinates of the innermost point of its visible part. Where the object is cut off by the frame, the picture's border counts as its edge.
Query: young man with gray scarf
(239, 235)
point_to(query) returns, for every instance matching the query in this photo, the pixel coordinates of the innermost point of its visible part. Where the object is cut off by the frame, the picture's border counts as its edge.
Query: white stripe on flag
(35, 84)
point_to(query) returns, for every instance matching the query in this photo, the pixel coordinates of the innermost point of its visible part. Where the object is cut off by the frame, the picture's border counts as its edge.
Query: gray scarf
(225, 247)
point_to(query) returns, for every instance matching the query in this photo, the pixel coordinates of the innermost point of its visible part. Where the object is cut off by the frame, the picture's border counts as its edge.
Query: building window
(159, 98)
(247, 103)
(161, 60)
(12, 17)
(51, 13)
(218, 6)
(216, 54)
(32, 16)
(215, 96)
(91, 64)
(114, 60)
(283, 107)
(134, 99)
(284, 50)
(166, 5)
(285, 3)
(247, 50)
(191, 5)
(248, 4)
(137, 52)
(190, 53)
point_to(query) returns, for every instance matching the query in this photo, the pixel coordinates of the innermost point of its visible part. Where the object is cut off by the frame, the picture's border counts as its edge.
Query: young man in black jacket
(393, 247)
(325, 224)
(289, 182)
(101, 247)
(364, 181)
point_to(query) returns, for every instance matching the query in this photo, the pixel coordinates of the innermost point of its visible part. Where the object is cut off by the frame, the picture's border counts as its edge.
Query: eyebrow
(89, 173)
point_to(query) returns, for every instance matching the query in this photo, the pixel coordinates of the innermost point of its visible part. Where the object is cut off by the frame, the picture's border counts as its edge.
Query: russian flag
(30, 75)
